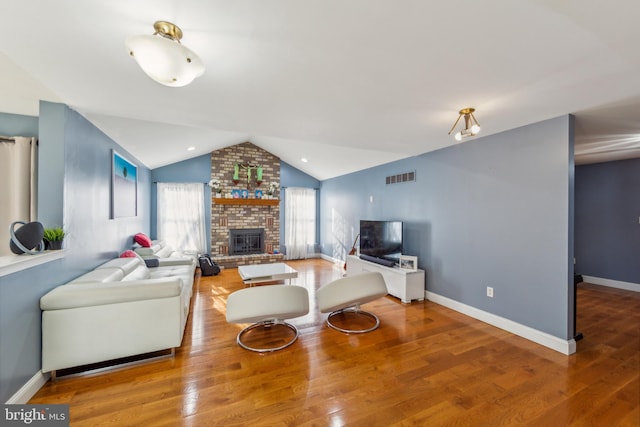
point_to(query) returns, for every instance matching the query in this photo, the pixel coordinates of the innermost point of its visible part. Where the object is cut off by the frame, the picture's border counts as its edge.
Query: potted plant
(53, 237)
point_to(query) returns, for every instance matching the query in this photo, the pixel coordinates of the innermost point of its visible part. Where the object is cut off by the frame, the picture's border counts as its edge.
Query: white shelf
(404, 284)
(10, 264)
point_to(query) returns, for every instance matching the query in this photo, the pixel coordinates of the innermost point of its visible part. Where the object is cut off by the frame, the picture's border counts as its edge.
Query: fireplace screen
(246, 241)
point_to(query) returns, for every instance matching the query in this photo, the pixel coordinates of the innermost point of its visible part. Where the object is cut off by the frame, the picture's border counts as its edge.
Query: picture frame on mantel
(124, 187)
(409, 263)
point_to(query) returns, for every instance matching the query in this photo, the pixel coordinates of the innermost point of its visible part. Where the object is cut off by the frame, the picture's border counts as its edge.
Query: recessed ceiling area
(345, 85)
(607, 133)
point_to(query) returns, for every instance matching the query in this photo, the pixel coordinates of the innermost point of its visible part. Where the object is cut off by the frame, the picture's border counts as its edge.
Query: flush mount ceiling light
(468, 130)
(163, 58)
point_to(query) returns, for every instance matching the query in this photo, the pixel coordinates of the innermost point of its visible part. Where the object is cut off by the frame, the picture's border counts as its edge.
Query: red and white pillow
(128, 254)
(143, 240)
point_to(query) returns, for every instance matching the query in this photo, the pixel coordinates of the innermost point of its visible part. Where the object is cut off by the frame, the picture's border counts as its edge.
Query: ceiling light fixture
(163, 58)
(468, 130)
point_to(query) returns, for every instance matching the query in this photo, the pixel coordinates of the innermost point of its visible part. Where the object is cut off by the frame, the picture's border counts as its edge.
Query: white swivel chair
(267, 307)
(345, 295)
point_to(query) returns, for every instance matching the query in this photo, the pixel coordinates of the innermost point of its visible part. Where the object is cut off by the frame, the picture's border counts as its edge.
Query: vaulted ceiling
(344, 84)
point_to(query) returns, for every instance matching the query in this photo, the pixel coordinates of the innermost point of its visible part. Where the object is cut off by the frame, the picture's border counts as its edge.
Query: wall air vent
(401, 177)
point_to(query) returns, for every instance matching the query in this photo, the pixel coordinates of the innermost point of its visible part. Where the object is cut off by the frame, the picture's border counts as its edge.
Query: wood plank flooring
(426, 366)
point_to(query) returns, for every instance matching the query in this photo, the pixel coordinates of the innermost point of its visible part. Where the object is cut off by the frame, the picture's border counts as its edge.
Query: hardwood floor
(425, 365)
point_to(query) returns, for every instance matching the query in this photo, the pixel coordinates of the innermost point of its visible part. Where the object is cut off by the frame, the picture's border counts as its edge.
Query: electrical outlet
(489, 291)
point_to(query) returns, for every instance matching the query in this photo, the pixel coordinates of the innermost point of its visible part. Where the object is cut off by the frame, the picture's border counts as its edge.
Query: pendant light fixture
(470, 128)
(163, 58)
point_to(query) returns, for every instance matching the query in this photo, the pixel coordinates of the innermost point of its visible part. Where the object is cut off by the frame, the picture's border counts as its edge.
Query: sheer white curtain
(299, 221)
(181, 217)
(18, 184)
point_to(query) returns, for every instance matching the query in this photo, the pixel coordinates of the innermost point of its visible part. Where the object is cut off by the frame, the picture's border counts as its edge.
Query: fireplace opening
(246, 241)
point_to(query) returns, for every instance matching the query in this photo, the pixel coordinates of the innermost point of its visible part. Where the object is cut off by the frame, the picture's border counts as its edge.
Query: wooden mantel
(253, 202)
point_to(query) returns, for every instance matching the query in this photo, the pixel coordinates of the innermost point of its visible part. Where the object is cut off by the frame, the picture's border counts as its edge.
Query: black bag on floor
(208, 267)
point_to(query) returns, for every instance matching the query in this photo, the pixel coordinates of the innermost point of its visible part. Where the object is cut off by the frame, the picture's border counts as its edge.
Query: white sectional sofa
(164, 253)
(119, 309)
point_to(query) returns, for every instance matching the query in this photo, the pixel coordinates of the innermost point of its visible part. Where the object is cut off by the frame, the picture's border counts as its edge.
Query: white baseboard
(539, 337)
(309, 256)
(331, 259)
(612, 283)
(29, 390)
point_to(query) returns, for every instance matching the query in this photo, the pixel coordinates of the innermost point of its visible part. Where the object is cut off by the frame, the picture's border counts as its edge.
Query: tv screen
(381, 239)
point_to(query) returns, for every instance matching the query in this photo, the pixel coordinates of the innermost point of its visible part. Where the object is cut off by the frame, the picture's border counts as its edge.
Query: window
(181, 215)
(18, 183)
(300, 222)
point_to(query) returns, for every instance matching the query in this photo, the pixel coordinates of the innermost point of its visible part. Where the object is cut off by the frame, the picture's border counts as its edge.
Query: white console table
(403, 284)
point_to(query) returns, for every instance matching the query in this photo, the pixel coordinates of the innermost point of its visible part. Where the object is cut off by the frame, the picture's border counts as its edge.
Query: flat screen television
(381, 241)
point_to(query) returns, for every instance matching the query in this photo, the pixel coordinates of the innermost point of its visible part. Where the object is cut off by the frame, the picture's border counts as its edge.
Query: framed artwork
(235, 194)
(258, 194)
(244, 194)
(409, 263)
(124, 187)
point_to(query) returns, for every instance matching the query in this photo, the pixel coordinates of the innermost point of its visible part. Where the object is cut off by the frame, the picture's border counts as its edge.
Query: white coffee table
(261, 273)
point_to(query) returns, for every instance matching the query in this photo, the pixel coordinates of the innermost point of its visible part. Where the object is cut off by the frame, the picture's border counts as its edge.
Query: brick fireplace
(244, 214)
(246, 241)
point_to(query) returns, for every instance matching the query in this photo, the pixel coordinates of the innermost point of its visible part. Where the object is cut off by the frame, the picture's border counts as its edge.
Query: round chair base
(361, 314)
(269, 333)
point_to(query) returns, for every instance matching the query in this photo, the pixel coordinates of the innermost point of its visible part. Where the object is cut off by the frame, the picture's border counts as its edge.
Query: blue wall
(51, 152)
(77, 158)
(494, 211)
(17, 125)
(606, 220)
(293, 177)
(197, 169)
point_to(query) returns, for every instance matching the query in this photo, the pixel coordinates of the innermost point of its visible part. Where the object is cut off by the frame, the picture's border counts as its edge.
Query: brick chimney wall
(225, 217)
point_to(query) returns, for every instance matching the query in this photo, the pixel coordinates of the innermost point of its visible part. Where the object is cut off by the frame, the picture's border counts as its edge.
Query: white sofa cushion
(132, 268)
(93, 294)
(141, 272)
(115, 270)
(127, 265)
(175, 261)
(148, 251)
(165, 254)
(103, 276)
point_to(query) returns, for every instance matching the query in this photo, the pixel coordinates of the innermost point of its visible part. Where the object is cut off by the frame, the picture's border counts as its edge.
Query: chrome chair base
(265, 325)
(357, 311)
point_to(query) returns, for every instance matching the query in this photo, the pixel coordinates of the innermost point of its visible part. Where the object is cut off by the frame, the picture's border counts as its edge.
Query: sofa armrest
(92, 294)
(165, 262)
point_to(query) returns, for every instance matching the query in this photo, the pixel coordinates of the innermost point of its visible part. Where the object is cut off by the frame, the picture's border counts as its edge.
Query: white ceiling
(347, 84)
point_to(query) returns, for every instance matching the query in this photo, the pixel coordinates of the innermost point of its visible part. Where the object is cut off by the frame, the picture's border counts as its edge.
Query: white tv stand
(403, 284)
